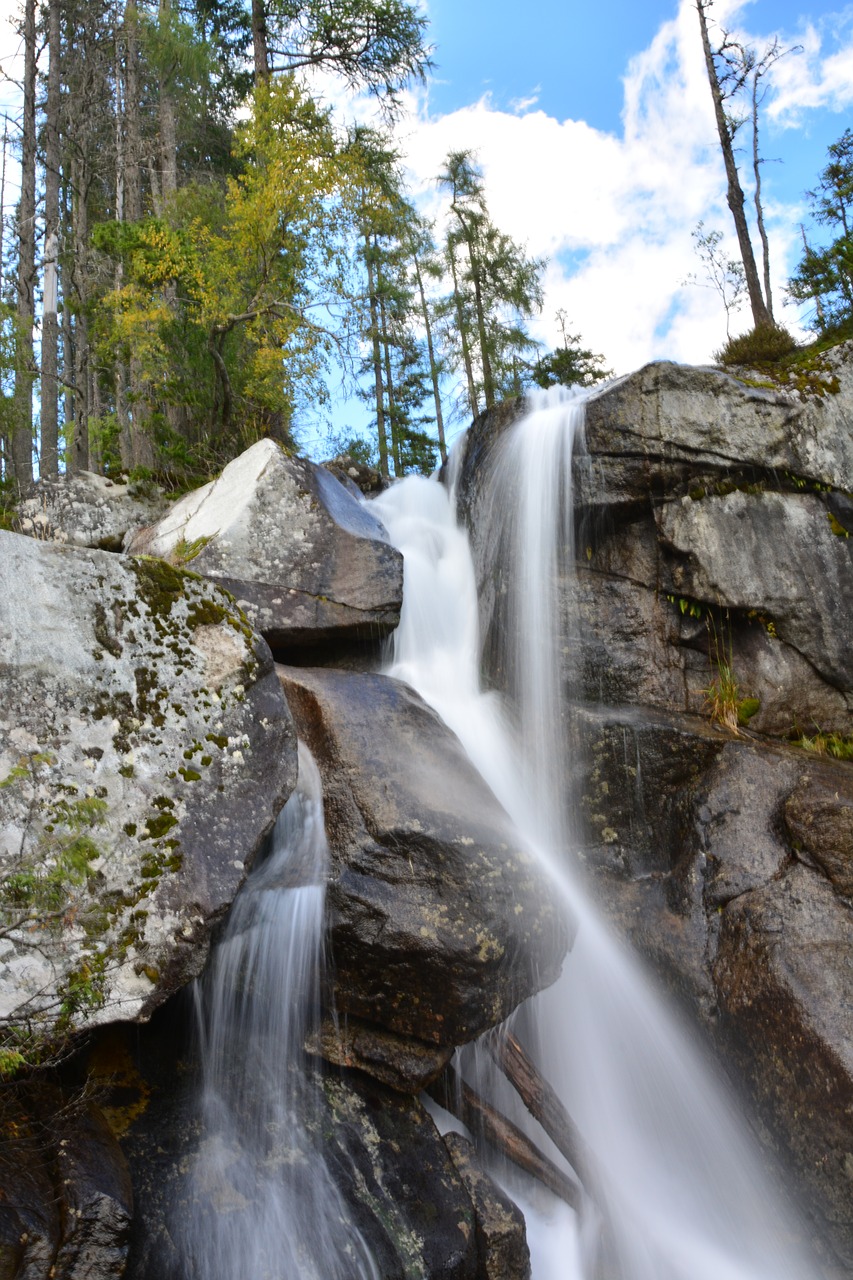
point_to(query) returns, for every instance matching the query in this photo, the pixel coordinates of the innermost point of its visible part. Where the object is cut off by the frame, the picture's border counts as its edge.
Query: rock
(305, 559)
(96, 1199)
(88, 510)
(401, 1195)
(784, 973)
(65, 1197)
(145, 750)
(439, 923)
(501, 1234)
(819, 818)
(668, 422)
(363, 478)
(774, 553)
(691, 837)
(398, 1061)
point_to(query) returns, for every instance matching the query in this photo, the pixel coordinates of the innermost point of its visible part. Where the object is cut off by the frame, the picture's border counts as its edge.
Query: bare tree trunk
(22, 430)
(377, 358)
(759, 208)
(168, 127)
(734, 196)
(260, 46)
(78, 454)
(389, 387)
(50, 320)
(133, 132)
(433, 366)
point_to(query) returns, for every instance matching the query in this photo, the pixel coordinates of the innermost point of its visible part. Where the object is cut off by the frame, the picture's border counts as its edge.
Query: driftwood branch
(544, 1105)
(457, 1097)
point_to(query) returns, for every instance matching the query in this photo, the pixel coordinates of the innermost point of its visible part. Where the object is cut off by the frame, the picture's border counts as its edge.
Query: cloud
(614, 212)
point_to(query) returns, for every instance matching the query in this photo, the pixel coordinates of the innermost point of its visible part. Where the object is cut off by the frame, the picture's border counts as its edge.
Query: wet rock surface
(305, 559)
(65, 1196)
(501, 1235)
(713, 567)
(400, 1188)
(145, 750)
(439, 923)
(88, 510)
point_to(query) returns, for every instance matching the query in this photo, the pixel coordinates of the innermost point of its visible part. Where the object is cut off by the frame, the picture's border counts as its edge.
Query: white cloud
(620, 209)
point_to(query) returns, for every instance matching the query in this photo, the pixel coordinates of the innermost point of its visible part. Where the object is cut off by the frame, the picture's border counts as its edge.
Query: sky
(593, 125)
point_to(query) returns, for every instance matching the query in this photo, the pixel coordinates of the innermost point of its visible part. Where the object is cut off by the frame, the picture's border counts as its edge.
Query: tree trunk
(78, 454)
(168, 127)
(759, 208)
(133, 131)
(377, 358)
(260, 47)
(393, 416)
(463, 337)
(50, 322)
(433, 366)
(735, 198)
(22, 429)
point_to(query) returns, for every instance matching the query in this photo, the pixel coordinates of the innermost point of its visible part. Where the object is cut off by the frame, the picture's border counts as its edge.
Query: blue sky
(594, 128)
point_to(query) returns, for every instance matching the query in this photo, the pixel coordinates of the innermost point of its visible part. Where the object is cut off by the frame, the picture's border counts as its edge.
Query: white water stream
(686, 1195)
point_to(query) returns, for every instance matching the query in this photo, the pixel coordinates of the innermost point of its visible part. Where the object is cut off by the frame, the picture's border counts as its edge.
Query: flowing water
(264, 1205)
(682, 1189)
(679, 1193)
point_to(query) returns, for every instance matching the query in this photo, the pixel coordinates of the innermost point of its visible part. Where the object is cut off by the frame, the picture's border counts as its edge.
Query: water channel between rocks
(679, 1193)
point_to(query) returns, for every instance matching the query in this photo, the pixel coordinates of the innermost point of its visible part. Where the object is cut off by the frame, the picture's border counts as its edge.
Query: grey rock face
(726, 862)
(145, 750)
(87, 510)
(440, 924)
(710, 529)
(775, 553)
(305, 559)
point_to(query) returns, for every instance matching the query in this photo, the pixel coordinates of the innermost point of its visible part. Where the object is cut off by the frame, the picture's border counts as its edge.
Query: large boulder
(440, 923)
(88, 510)
(304, 557)
(145, 750)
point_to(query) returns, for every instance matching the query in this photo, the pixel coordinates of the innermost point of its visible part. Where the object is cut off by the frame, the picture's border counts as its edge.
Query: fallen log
(456, 1096)
(544, 1105)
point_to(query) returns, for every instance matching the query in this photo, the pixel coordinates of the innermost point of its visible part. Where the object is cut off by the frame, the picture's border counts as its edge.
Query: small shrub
(758, 347)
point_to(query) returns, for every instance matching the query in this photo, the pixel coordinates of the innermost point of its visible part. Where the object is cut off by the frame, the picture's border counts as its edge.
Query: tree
(724, 275)
(495, 287)
(825, 275)
(22, 426)
(372, 44)
(728, 72)
(570, 365)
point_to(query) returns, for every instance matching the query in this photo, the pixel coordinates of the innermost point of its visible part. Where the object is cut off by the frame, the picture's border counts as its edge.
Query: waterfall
(685, 1194)
(263, 1204)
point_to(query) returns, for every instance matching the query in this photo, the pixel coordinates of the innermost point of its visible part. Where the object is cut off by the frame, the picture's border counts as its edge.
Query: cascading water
(684, 1192)
(263, 1203)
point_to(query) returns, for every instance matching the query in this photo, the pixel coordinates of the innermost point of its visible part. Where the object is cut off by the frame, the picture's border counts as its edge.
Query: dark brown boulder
(440, 923)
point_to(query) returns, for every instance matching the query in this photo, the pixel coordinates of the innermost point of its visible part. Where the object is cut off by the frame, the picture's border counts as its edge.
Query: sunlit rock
(145, 749)
(305, 559)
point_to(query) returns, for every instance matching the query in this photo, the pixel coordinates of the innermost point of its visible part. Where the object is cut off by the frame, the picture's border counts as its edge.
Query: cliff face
(711, 677)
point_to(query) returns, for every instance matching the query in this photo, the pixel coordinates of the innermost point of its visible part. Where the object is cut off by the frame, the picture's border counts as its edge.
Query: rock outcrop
(88, 510)
(439, 923)
(303, 556)
(714, 573)
(145, 750)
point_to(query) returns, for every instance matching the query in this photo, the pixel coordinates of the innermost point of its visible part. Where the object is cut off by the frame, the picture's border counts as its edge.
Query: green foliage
(836, 745)
(570, 365)
(758, 348)
(217, 302)
(725, 701)
(824, 275)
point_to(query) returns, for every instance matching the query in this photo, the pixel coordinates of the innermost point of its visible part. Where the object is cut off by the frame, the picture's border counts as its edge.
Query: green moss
(161, 825)
(190, 775)
(836, 526)
(218, 740)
